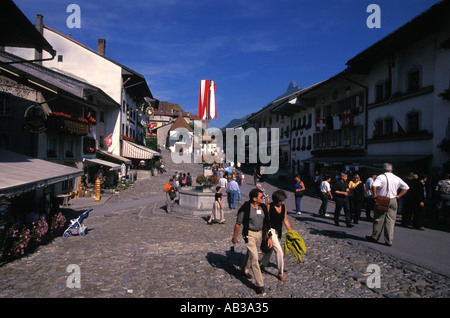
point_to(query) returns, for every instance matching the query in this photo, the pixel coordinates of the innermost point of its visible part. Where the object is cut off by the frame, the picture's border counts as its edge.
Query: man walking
(386, 185)
(170, 191)
(341, 200)
(233, 190)
(253, 217)
(239, 182)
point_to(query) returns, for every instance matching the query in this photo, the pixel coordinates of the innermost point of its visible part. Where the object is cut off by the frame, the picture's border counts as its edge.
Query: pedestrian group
(261, 218)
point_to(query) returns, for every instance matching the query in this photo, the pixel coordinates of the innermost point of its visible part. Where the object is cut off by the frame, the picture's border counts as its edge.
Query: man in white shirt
(386, 185)
(325, 191)
(223, 183)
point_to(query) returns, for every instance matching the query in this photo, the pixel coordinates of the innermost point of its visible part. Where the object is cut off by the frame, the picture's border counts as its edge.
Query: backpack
(172, 193)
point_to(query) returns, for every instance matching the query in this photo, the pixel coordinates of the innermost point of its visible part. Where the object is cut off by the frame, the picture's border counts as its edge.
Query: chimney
(40, 27)
(101, 44)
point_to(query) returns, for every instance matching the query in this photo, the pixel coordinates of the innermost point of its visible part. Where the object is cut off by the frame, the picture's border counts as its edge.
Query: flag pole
(208, 104)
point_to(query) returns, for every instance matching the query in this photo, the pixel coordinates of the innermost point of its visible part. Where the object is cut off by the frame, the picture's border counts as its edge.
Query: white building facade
(408, 73)
(125, 86)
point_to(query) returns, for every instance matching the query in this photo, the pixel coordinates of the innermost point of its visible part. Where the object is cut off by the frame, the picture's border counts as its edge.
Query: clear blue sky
(252, 49)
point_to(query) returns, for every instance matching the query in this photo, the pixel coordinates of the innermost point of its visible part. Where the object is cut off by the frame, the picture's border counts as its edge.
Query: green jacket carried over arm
(294, 242)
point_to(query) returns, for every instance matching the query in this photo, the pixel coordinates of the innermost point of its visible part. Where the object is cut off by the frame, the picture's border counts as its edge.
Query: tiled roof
(181, 123)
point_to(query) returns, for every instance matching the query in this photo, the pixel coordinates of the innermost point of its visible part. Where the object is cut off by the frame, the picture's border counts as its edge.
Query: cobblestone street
(135, 249)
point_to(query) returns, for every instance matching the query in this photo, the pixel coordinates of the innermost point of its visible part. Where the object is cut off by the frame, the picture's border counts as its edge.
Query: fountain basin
(199, 201)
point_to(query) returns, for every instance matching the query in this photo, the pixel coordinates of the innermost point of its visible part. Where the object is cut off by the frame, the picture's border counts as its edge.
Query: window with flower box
(88, 146)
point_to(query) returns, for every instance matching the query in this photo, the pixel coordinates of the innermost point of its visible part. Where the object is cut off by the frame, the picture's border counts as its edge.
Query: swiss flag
(108, 141)
(347, 120)
(321, 124)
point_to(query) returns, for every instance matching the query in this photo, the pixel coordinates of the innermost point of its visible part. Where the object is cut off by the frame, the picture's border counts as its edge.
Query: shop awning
(19, 173)
(104, 155)
(101, 162)
(135, 151)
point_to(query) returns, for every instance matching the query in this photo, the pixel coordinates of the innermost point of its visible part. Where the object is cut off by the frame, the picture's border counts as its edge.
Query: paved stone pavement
(135, 249)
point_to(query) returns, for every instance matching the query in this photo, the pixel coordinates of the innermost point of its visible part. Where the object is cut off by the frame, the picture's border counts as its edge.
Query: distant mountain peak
(292, 88)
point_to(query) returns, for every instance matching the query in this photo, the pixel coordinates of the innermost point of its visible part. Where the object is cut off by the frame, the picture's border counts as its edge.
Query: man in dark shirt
(341, 200)
(253, 217)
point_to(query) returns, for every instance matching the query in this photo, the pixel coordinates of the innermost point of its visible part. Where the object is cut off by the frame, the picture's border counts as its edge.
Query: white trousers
(278, 253)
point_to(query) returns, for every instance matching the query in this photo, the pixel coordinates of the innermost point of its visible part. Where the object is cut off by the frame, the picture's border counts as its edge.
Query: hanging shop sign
(35, 119)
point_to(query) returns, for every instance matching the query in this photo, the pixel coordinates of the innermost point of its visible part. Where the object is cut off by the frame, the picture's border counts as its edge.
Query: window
(327, 141)
(334, 137)
(387, 89)
(318, 112)
(316, 141)
(414, 79)
(357, 135)
(340, 138)
(4, 140)
(52, 147)
(60, 58)
(334, 109)
(379, 92)
(327, 111)
(88, 146)
(378, 128)
(69, 148)
(341, 106)
(413, 121)
(357, 103)
(347, 136)
(5, 104)
(361, 135)
(388, 126)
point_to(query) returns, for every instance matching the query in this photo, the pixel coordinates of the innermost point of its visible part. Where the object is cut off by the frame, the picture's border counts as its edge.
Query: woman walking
(217, 211)
(299, 191)
(278, 216)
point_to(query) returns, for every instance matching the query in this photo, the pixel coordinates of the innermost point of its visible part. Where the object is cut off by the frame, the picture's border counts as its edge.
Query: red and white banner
(347, 120)
(108, 141)
(207, 100)
(321, 124)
